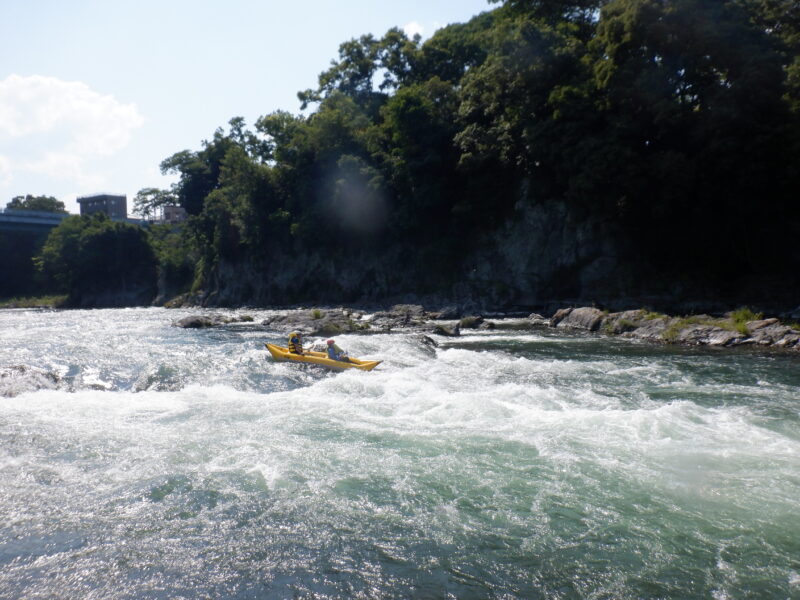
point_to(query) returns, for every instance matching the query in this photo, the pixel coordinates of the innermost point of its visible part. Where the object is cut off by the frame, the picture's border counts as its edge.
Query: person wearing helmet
(296, 342)
(336, 353)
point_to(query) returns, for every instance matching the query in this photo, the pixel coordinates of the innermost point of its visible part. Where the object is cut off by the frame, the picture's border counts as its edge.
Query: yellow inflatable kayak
(282, 354)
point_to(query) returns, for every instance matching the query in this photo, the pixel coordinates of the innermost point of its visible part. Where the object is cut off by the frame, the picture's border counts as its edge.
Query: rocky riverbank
(738, 328)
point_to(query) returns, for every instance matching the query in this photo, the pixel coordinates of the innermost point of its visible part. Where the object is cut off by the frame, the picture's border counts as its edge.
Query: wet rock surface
(18, 379)
(586, 318)
(640, 324)
(213, 320)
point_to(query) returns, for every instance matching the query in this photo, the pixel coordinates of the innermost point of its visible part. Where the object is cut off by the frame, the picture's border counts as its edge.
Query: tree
(42, 203)
(17, 271)
(352, 75)
(91, 255)
(692, 94)
(670, 119)
(148, 201)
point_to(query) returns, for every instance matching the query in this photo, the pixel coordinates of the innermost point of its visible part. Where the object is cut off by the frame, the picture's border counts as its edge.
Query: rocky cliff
(543, 253)
(544, 256)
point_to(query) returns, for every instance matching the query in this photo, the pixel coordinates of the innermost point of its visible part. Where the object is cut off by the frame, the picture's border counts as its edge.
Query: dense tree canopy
(679, 120)
(42, 203)
(93, 255)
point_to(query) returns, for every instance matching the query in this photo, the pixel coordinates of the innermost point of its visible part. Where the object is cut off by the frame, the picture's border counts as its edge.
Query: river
(174, 463)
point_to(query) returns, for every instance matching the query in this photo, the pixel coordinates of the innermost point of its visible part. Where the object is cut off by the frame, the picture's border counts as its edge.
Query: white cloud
(56, 128)
(64, 166)
(413, 28)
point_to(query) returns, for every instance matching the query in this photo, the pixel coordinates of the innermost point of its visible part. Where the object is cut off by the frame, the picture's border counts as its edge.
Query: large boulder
(537, 319)
(447, 330)
(559, 316)
(708, 335)
(775, 334)
(624, 322)
(471, 322)
(211, 320)
(400, 316)
(586, 318)
(652, 329)
(318, 322)
(759, 324)
(426, 343)
(198, 322)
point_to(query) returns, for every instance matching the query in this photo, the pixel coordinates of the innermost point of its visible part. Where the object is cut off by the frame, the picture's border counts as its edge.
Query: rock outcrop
(212, 320)
(770, 332)
(696, 330)
(18, 379)
(581, 318)
(318, 322)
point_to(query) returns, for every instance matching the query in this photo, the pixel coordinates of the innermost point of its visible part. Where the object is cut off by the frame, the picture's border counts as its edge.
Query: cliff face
(543, 253)
(546, 253)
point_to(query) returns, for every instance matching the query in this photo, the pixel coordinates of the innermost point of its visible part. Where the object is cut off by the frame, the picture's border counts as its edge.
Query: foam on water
(181, 463)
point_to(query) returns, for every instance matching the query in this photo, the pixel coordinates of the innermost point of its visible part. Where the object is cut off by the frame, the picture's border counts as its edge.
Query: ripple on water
(502, 465)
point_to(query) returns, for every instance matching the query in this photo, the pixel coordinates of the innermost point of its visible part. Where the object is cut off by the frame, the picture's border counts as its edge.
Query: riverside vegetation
(623, 152)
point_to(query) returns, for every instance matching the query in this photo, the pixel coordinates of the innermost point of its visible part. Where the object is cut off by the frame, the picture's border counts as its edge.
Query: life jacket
(334, 352)
(295, 344)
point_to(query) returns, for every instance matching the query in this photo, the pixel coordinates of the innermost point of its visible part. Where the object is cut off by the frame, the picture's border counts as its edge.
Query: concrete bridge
(30, 221)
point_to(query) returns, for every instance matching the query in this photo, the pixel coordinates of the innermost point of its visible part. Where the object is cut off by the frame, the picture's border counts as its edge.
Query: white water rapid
(140, 460)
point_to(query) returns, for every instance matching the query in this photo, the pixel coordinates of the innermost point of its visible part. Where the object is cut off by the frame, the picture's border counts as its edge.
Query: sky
(94, 94)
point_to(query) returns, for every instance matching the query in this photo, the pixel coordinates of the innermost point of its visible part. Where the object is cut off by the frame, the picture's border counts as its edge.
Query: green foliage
(695, 121)
(316, 314)
(651, 315)
(673, 330)
(668, 118)
(17, 271)
(42, 203)
(626, 324)
(736, 321)
(176, 257)
(87, 255)
(35, 302)
(744, 314)
(148, 201)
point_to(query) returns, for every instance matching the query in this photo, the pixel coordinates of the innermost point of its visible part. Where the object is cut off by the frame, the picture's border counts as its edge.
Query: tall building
(114, 206)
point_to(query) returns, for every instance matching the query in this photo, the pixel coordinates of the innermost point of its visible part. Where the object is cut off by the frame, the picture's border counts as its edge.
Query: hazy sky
(95, 94)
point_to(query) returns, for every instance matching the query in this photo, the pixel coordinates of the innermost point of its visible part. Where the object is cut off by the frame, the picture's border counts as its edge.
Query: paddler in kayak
(295, 344)
(336, 353)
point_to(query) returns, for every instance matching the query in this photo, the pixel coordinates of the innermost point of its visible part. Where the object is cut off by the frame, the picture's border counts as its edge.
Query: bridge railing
(33, 214)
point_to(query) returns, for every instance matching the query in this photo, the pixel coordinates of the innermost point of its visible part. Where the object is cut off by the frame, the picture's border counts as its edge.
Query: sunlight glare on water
(168, 463)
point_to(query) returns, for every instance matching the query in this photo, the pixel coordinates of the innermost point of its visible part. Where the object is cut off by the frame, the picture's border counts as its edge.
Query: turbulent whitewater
(140, 460)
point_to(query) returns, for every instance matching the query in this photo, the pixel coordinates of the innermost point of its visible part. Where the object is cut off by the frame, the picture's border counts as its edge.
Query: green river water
(172, 463)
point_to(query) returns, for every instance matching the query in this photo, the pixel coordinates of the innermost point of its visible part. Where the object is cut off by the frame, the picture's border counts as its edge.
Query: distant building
(173, 214)
(114, 206)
